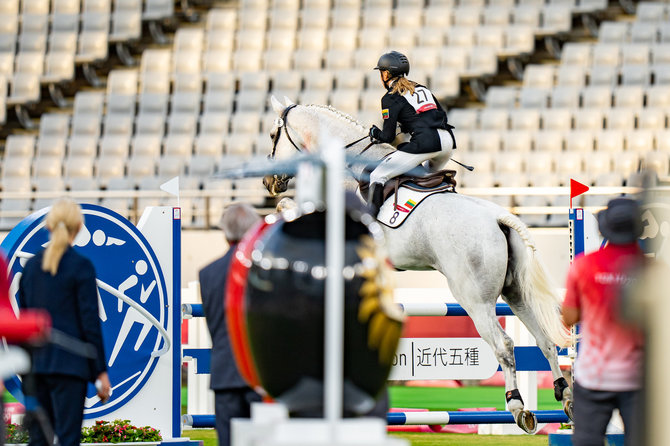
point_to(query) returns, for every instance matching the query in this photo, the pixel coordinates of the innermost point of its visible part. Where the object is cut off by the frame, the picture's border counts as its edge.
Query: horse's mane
(340, 115)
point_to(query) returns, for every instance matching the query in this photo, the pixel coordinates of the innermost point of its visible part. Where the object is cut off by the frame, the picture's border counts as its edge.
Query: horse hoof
(527, 421)
(567, 408)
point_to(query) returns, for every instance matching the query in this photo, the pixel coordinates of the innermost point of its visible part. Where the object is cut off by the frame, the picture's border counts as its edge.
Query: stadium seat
(437, 16)
(49, 145)
(461, 36)
(576, 54)
(625, 163)
(519, 141)
(643, 33)
(571, 75)
(658, 96)
(663, 140)
(118, 124)
(485, 141)
(85, 146)
(640, 141)
(651, 118)
(182, 124)
(613, 32)
(556, 19)
(307, 60)
(635, 75)
(493, 119)
(78, 167)
(580, 141)
(140, 167)
(538, 76)
(620, 118)
(519, 39)
(588, 119)
(345, 18)
(597, 97)
(150, 124)
(463, 118)
(85, 125)
(114, 146)
(524, 119)
(604, 75)
(651, 12)
(180, 146)
(629, 96)
(170, 167)
(245, 122)
(548, 141)
(247, 60)
(147, 145)
(610, 141)
(214, 123)
(209, 144)
(533, 97)
(501, 97)
(19, 146)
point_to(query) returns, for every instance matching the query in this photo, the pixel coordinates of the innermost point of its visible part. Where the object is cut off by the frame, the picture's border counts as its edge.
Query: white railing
(205, 206)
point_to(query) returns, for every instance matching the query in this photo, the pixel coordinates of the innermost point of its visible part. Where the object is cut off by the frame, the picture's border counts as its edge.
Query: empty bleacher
(199, 103)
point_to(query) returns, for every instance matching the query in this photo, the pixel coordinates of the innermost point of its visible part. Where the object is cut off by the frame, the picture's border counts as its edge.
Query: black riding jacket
(419, 114)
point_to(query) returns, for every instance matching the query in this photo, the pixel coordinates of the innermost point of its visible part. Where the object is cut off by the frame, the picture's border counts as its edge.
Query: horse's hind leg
(490, 330)
(562, 390)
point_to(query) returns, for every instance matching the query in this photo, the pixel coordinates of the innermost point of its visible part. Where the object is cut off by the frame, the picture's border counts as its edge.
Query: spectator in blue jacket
(62, 282)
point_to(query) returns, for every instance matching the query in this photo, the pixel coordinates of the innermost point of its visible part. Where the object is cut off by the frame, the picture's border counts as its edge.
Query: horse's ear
(277, 106)
(287, 101)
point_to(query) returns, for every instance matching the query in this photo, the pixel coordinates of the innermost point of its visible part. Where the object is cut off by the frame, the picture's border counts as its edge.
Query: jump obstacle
(583, 238)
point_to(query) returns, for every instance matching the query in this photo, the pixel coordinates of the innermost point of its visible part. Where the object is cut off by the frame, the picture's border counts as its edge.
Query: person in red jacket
(608, 368)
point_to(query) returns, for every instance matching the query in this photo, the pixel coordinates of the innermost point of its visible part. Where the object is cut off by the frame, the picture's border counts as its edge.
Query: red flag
(576, 189)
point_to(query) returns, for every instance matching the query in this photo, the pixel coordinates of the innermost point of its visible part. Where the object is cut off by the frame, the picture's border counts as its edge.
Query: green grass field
(433, 398)
(208, 436)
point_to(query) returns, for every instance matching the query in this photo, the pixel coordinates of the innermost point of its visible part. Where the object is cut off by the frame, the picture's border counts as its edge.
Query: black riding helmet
(395, 63)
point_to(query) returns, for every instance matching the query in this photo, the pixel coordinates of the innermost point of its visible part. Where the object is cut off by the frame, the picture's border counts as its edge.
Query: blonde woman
(419, 114)
(62, 282)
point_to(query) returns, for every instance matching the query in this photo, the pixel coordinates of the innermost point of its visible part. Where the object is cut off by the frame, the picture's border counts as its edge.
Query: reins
(283, 124)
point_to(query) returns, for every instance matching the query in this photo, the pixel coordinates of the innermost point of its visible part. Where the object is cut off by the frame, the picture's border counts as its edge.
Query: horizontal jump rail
(469, 417)
(427, 418)
(410, 309)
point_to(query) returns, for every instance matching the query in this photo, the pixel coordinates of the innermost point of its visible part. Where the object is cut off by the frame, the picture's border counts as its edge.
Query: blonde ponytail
(63, 222)
(403, 85)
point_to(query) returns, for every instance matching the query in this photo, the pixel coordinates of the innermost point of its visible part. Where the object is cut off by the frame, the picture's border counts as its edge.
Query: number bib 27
(422, 99)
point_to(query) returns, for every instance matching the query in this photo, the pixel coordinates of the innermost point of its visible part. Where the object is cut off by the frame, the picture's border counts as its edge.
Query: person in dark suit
(232, 395)
(62, 282)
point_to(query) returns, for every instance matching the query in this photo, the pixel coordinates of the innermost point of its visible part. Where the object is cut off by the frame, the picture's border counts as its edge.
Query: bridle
(282, 124)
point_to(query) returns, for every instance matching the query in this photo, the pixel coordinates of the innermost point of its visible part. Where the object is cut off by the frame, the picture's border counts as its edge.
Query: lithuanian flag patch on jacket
(385, 113)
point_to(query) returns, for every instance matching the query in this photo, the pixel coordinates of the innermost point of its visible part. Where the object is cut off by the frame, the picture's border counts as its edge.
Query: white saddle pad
(393, 216)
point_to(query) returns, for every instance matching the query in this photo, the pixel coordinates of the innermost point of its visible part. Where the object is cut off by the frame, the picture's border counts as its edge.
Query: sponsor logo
(126, 266)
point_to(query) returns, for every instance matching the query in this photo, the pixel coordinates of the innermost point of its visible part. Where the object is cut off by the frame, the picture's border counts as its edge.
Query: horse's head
(290, 135)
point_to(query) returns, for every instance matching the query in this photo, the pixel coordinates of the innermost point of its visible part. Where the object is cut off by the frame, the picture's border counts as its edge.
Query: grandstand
(107, 99)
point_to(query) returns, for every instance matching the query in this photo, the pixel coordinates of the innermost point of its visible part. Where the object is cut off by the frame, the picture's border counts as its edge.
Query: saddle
(422, 181)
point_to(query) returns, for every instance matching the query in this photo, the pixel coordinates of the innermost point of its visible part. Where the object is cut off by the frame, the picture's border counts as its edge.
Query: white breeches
(400, 162)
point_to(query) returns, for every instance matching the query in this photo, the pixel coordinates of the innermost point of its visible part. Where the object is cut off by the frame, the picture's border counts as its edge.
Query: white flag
(171, 186)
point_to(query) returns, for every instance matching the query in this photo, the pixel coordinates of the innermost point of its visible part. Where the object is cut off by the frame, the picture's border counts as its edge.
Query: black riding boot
(376, 198)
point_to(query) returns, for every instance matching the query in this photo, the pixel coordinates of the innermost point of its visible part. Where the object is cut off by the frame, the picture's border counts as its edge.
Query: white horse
(483, 250)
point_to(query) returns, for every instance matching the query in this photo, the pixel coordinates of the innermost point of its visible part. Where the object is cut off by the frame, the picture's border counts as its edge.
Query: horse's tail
(537, 291)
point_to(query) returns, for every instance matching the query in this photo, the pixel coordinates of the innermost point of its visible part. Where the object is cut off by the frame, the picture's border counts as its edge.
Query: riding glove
(375, 134)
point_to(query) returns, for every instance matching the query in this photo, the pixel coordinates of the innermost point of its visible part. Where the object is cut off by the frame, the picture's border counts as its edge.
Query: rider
(417, 111)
